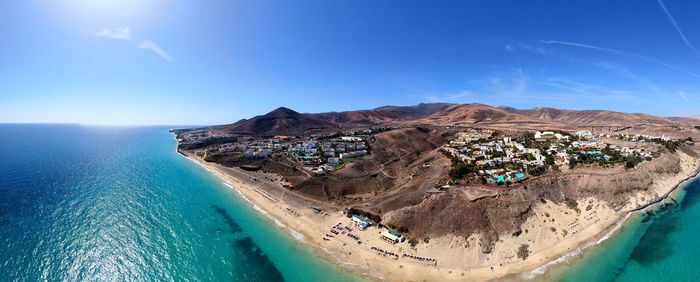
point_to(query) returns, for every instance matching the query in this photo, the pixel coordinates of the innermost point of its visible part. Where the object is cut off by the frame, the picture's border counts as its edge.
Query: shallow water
(663, 246)
(109, 203)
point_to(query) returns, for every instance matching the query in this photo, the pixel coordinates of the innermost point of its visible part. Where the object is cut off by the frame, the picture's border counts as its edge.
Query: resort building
(392, 236)
(361, 221)
(353, 154)
(542, 136)
(351, 139)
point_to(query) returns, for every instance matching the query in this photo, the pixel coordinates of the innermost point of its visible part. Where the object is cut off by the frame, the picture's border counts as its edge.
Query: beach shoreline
(619, 225)
(312, 230)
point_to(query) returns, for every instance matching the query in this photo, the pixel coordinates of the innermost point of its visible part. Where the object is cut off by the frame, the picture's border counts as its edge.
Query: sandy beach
(553, 235)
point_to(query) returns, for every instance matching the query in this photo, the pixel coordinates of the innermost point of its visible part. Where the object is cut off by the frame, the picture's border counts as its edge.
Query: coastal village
(483, 161)
(483, 155)
(502, 160)
(316, 154)
(494, 159)
(486, 156)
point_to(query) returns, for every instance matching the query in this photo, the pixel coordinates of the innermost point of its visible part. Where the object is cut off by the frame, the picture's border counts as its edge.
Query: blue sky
(212, 62)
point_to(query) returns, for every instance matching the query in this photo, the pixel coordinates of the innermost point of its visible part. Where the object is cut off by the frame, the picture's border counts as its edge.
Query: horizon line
(103, 124)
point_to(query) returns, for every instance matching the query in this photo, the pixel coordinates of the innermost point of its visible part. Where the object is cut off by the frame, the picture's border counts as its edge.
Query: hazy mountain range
(287, 121)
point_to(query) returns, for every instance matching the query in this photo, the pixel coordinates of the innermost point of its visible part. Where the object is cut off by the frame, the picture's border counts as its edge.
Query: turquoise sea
(84, 203)
(119, 204)
(663, 246)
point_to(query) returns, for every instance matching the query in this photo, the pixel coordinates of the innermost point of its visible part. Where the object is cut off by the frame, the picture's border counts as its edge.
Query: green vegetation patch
(523, 251)
(571, 203)
(461, 169)
(632, 161)
(373, 217)
(349, 160)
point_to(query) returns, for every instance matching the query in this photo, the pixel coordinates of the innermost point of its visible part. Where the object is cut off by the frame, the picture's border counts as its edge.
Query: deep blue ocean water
(84, 203)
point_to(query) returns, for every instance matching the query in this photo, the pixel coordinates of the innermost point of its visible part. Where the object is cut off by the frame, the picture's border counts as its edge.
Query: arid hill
(289, 122)
(591, 117)
(478, 113)
(387, 114)
(686, 120)
(280, 121)
(403, 176)
(495, 217)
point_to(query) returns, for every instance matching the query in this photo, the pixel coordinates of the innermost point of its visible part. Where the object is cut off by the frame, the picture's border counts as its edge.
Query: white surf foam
(260, 210)
(568, 256)
(280, 224)
(296, 235)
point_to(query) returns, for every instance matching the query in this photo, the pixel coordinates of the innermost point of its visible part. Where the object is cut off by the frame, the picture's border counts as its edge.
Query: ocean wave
(262, 211)
(568, 256)
(296, 235)
(280, 224)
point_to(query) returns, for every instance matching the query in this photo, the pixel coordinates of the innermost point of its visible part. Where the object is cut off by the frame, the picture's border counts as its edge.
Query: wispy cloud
(513, 83)
(518, 46)
(678, 29)
(569, 86)
(581, 45)
(150, 45)
(119, 33)
(124, 33)
(619, 52)
(626, 73)
(460, 96)
(505, 83)
(590, 90)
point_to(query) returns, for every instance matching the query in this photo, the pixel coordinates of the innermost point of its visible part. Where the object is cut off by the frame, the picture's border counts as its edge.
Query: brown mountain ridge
(289, 122)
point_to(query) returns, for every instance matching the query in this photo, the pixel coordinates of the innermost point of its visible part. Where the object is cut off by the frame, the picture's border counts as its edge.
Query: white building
(393, 237)
(584, 134)
(353, 154)
(351, 139)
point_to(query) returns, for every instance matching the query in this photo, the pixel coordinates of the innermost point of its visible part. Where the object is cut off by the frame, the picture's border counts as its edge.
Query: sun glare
(103, 11)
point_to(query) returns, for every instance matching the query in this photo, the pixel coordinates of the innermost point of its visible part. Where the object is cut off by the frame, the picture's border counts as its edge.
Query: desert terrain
(523, 200)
